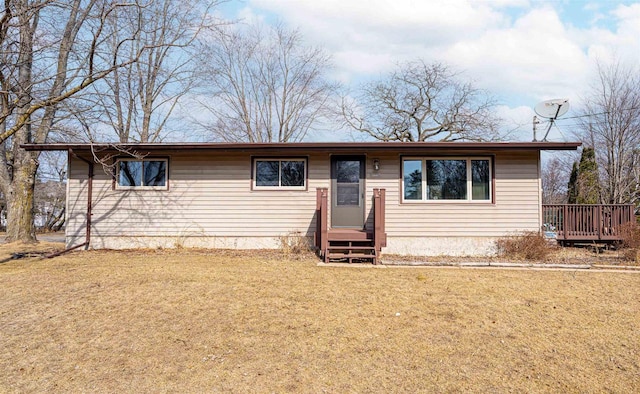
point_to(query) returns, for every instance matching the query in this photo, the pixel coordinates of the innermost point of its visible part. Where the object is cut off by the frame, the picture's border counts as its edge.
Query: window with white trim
(446, 179)
(280, 173)
(149, 174)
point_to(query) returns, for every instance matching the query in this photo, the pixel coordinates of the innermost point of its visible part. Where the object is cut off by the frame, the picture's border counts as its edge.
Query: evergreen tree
(584, 186)
(588, 184)
(572, 187)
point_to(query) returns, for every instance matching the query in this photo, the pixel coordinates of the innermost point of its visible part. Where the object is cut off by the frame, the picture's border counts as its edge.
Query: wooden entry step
(368, 243)
(344, 234)
(350, 246)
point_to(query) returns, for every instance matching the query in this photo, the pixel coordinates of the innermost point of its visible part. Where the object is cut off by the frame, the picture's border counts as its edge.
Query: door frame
(363, 188)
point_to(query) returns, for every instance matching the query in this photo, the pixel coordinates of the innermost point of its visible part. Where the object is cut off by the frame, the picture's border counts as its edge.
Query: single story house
(352, 199)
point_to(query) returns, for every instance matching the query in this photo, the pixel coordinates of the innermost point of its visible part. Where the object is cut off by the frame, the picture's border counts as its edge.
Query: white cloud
(624, 42)
(533, 57)
(518, 122)
(520, 51)
(383, 14)
(370, 36)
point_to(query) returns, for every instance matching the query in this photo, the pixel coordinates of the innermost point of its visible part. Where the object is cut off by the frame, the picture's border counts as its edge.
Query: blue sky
(520, 51)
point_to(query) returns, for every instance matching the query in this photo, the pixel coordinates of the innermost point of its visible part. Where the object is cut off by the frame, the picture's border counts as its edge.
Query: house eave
(352, 147)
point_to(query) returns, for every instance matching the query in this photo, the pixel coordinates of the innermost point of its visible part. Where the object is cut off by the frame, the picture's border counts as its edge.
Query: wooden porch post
(322, 229)
(379, 236)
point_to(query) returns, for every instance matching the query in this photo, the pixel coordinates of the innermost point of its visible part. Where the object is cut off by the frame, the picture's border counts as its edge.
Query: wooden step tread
(349, 236)
(338, 247)
(350, 240)
(351, 256)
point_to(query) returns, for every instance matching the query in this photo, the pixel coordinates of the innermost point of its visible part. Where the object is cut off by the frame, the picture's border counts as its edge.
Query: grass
(202, 321)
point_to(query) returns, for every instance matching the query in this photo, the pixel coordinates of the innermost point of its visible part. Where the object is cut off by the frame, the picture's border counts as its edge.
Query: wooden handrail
(322, 228)
(379, 231)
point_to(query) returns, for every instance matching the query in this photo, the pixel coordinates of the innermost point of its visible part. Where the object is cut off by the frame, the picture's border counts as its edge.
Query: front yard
(203, 321)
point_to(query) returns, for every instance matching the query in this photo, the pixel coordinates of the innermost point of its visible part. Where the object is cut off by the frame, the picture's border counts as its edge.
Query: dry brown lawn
(196, 321)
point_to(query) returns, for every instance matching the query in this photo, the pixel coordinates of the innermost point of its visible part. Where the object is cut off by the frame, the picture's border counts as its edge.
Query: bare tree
(611, 123)
(137, 101)
(421, 102)
(50, 190)
(555, 177)
(267, 85)
(48, 53)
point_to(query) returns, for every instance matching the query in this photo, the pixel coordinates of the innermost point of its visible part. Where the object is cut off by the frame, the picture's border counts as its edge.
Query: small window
(141, 174)
(280, 174)
(446, 179)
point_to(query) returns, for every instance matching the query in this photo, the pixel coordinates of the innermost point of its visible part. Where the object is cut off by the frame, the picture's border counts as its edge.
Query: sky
(522, 52)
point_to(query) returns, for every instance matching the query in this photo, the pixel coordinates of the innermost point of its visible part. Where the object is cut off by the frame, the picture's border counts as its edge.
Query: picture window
(446, 179)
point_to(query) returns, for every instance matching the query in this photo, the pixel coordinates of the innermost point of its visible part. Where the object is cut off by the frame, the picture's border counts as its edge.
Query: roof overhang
(281, 147)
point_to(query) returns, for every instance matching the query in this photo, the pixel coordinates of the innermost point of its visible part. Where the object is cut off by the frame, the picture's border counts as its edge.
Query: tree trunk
(60, 221)
(54, 221)
(20, 226)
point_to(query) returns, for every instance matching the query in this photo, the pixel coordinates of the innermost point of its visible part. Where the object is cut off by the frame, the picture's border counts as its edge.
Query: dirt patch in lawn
(210, 321)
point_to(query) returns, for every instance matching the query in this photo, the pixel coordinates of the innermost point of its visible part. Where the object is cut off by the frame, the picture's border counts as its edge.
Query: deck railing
(586, 222)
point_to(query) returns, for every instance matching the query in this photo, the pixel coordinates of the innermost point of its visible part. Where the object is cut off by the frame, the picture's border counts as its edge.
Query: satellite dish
(552, 110)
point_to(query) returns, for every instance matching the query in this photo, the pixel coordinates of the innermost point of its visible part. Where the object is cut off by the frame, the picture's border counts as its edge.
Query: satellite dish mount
(552, 110)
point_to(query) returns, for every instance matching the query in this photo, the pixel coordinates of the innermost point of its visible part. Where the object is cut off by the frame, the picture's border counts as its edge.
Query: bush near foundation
(630, 243)
(295, 244)
(528, 245)
(630, 233)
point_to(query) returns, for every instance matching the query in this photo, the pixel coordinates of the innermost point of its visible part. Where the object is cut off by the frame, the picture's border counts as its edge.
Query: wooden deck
(586, 222)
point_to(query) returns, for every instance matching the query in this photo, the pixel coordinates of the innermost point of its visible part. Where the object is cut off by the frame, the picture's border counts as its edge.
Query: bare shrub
(630, 234)
(528, 245)
(295, 244)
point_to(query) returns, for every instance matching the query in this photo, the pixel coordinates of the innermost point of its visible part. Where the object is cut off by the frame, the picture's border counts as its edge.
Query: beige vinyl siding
(75, 224)
(516, 206)
(210, 195)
